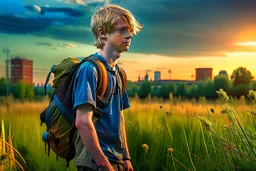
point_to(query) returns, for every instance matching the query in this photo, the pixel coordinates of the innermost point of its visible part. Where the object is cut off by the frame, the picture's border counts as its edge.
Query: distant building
(157, 75)
(146, 77)
(21, 69)
(223, 72)
(203, 73)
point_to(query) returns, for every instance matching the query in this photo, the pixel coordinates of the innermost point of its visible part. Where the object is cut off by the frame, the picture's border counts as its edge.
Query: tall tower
(170, 73)
(203, 73)
(157, 75)
(22, 69)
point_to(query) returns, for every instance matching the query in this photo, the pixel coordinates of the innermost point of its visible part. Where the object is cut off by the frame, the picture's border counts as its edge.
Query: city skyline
(177, 36)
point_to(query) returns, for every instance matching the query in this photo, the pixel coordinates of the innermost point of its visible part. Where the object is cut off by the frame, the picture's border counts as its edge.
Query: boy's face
(120, 38)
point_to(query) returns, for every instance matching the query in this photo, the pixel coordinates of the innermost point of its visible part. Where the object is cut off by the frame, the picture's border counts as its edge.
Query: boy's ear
(101, 33)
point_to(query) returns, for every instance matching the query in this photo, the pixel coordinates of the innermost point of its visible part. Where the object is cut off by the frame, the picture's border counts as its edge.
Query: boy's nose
(128, 35)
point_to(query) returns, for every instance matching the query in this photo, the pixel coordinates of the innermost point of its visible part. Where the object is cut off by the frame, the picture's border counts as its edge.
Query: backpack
(59, 116)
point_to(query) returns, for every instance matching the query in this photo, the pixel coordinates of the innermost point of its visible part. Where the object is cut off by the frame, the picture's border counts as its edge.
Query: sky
(177, 36)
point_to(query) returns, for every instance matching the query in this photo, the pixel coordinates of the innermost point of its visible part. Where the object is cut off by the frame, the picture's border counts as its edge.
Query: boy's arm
(126, 155)
(88, 135)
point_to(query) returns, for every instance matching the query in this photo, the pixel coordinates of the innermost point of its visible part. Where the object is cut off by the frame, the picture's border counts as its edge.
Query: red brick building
(203, 73)
(21, 69)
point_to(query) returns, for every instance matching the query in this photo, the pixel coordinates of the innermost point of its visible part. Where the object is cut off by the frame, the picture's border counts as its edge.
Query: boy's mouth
(127, 43)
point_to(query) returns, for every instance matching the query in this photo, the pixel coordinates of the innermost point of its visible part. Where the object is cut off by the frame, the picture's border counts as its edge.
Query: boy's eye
(121, 29)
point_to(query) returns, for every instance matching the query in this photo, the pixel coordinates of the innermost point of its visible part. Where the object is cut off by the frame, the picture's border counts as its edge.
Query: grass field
(162, 135)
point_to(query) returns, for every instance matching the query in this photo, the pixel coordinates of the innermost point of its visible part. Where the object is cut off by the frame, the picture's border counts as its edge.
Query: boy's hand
(105, 166)
(128, 165)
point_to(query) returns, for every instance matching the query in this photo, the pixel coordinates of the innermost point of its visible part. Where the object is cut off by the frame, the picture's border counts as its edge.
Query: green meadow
(163, 135)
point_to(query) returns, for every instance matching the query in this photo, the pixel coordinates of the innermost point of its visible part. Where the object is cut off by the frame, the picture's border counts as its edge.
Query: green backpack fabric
(59, 116)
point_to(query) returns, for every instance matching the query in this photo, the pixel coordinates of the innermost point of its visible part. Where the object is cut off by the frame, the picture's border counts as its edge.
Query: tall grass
(162, 135)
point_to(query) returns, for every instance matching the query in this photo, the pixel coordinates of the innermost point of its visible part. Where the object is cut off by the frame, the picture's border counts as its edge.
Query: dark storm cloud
(185, 28)
(171, 27)
(21, 25)
(70, 34)
(68, 11)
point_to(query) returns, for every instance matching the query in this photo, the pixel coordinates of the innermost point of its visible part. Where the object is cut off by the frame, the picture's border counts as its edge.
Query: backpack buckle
(103, 103)
(98, 112)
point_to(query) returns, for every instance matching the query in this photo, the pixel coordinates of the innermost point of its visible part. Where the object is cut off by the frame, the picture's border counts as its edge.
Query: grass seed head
(145, 147)
(222, 94)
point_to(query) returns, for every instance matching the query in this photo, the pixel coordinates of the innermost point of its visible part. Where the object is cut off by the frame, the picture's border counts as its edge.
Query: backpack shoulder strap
(123, 76)
(102, 73)
(103, 91)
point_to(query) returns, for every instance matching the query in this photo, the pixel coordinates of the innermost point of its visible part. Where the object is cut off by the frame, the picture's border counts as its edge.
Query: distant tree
(192, 91)
(30, 94)
(221, 82)
(182, 89)
(155, 91)
(240, 90)
(166, 89)
(132, 88)
(223, 72)
(2, 86)
(254, 86)
(39, 91)
(145, 89)
(22, 90)
(200, 88)
(241, 76)
(171, 87)
(208, 90)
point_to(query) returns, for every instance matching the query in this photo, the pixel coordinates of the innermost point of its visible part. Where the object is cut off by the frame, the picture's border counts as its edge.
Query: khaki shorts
(116, 167)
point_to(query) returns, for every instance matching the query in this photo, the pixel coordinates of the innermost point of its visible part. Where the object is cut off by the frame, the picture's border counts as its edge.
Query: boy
(102, 145)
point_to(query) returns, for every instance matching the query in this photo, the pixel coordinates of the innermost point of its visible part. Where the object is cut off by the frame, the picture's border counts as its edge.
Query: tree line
(24, 91)
(239, 84)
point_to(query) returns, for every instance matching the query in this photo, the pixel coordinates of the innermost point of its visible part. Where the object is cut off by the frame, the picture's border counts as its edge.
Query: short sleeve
(85, 84)
(126, 101)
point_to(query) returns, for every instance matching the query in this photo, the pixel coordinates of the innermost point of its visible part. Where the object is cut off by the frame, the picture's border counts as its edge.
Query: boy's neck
(110, 56)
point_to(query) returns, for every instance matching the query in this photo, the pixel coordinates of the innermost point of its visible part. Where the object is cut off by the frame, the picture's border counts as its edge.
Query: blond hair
(107, 16)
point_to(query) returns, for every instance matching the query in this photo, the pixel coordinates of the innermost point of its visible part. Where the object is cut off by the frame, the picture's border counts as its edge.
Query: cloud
(21, 25)
(127, 62)
(170, 27)
(70, 33)
(191, 28)
(65, 46)
(72, 12)
(44, 44)
(85, 2)
(68, 45)
(80, 2)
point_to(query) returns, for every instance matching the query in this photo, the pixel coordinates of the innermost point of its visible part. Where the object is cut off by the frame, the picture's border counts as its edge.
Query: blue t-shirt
(108, 125)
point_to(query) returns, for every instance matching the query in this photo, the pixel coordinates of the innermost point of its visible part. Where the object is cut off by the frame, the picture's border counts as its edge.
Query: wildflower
(252, 95)
(228, 147)
(212, 110)
(161, 107)
(170, 150)
(169, 113)
(145, 147)
(222, 94)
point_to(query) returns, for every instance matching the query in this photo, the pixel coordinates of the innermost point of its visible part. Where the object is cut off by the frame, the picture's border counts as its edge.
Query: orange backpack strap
(102, 73)
(103, 91)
